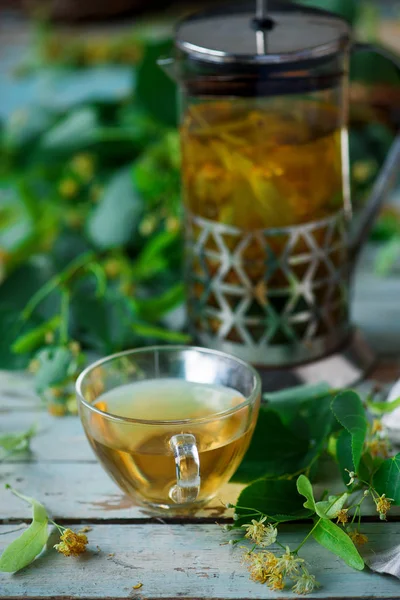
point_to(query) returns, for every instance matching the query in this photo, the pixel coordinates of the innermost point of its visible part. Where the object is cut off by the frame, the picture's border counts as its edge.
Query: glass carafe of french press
(265, 183)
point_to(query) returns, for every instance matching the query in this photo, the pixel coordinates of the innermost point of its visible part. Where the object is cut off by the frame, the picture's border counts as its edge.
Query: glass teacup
(169, 424)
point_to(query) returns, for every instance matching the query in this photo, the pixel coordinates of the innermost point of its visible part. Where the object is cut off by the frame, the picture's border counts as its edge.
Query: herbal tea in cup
(169, 424)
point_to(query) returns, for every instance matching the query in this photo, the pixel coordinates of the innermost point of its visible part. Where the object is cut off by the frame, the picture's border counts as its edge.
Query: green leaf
(388, 256)
(156, 174)
(17, 223)
(35, 337)
(10, 327)
(369, 67)
(382, 408)
(345, 8)
(297, 394)
(274, 450)
(30, 543)
(334, 539)
(25, 125)
(77, 130)
(159, 333)
(155, 308)
(16, 442)
(21, 285)
(273, 497)
(304, 488)
(153, 258)
(329, 509)
(115, 219)
(349, 411)
(368, 466)
(103, 323)
(344, 454)
(56, 364)
(387, 479)
(155, 91)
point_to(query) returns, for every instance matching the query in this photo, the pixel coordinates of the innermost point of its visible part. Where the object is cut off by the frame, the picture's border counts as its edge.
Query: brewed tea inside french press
(263, 102)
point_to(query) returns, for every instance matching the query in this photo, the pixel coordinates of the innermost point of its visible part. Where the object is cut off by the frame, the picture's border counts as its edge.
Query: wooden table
(172, 558)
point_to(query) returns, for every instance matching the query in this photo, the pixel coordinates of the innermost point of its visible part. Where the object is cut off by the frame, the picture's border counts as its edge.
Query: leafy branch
(361, 450)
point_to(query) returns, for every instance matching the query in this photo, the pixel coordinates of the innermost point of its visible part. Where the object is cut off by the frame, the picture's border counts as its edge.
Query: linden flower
(72, 544)
(383, 506)
(376, 426)
(68, 188)
(261, 565)
(352, 476)
(275, 581)
(359, 539)
(262, 535)
(83, 166)
(288, 564)
(378, 447)
(305, 584)
(342, 516)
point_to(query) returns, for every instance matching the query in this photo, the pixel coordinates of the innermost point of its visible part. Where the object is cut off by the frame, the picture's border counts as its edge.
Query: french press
(265, 183)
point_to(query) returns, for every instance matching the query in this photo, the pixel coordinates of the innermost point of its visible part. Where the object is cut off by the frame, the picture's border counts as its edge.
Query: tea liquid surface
(138, 456)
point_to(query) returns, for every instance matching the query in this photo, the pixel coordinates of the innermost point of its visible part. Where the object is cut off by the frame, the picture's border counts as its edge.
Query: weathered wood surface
(62, 460)
(174, 561)
(172, 558)
(81, 491)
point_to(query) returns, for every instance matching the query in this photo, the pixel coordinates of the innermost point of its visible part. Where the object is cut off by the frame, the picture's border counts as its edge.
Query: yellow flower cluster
(261, 534)
(359, 539)
(266, 567)
(72, 544)
(342, 516)
(383, 505)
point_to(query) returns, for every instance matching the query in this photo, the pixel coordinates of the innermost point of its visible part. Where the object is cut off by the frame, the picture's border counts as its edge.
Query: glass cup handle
(187, 465)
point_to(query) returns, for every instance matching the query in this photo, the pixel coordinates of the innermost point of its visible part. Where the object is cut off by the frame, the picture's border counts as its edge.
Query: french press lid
(262, 32)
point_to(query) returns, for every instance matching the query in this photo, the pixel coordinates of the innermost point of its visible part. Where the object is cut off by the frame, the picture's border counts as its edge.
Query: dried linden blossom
(261, 534)
(266, 567)
(383, 505)
(359, 539)
(342, 516)
(305, 584)
(72, 544)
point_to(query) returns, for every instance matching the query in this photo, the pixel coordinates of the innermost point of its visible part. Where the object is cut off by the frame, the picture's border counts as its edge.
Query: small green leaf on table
(334, 539)
(387, 479)
(349, 411)
(30, 543)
